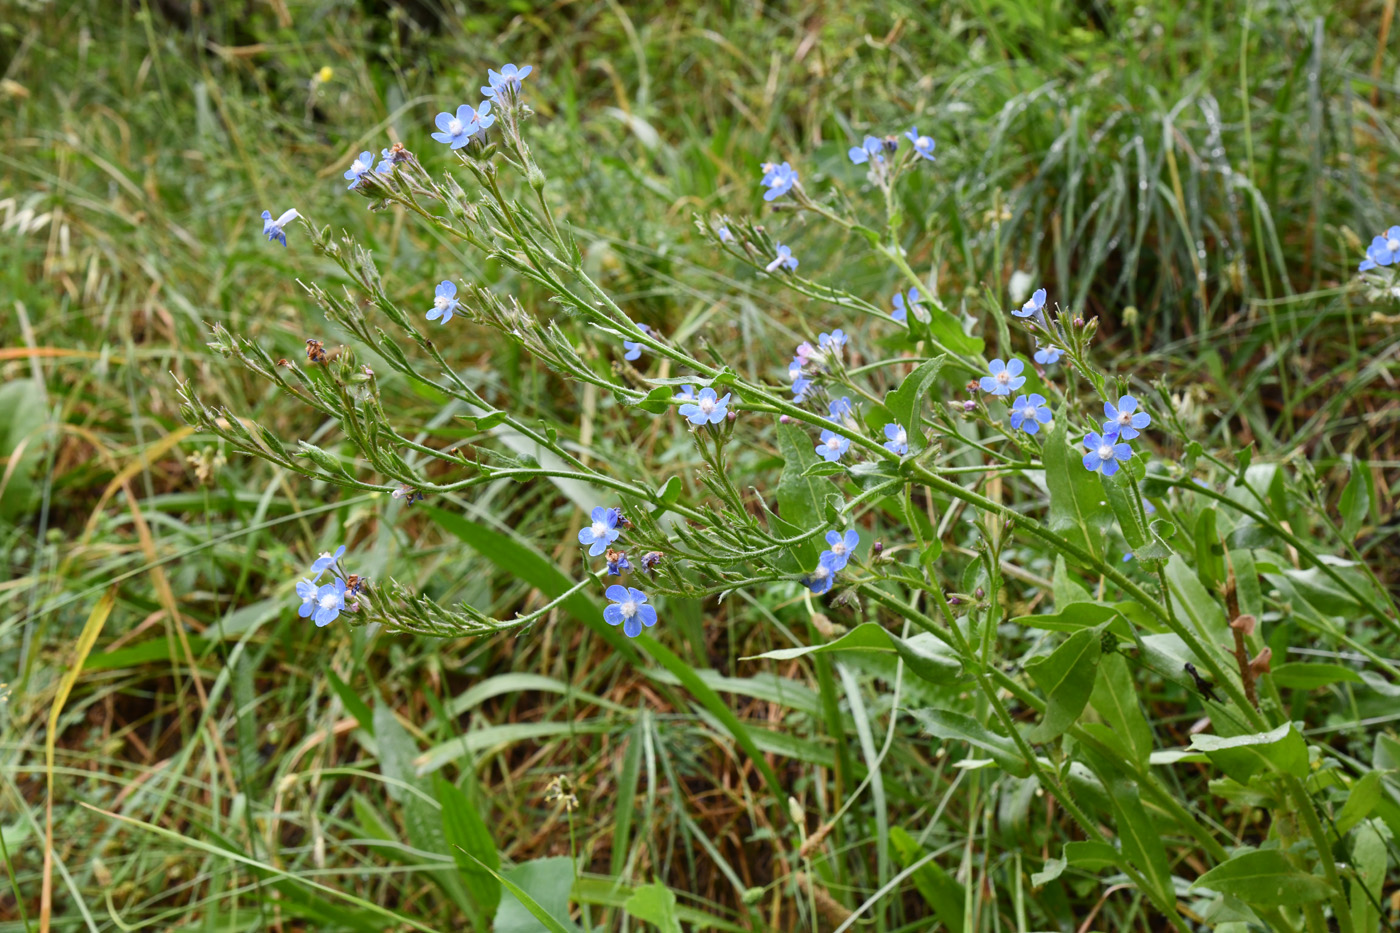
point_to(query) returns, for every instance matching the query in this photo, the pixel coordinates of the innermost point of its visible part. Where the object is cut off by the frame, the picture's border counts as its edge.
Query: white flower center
(599, 529)
(1003, 377)
(1393, 245)
(328, 601)
(358, 167)
(834, 444)
(821, 573)
(1125, 418)
(629, 609)
(707, 405)
(923, 143)
(441, 302)
(901, 437)
(838, 548)
(1106, 452)
(455, 127)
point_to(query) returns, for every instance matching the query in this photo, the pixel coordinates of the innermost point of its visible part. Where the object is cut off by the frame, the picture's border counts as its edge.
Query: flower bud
(535, 178)
(954, 601)
(979, 592)
(969, 406)
(877, 549)
(1130, 316)
(795, 812)
(784, 419)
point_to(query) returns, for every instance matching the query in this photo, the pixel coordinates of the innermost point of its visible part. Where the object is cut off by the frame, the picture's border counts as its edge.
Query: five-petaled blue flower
(800, 387)
(506, 82)
(602, 532)
(903, 304)
(325, 562)
(1005, 377)
(839, 408)
(633, 347)
(361, 166)
(1033, 306)
(833, 445)
(784, 259)
(1047, 354)
(819, 580)
(1105, 452)
(1383, 250)
(306, 589)
(898, 442)
(871, 148)
(330, 601)
(923, 145)
(444, 301)
(1028, 413)
(458, 130)
(841, 548)
(272, 229)
(629, 609)
(708, 407)
(833, 341)
(778, 179)
(1122, 420)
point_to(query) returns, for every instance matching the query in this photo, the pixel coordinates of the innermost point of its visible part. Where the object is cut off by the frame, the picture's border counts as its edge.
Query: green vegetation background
(1214, 166)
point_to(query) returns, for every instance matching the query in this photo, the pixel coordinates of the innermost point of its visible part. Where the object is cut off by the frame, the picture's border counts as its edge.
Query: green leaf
(1091, 856)
(925, 656)
(1071, 617)
(23, 417)
(1115, 699)
(656, 904)
(1361, 800)
(539, 895)
(1118, 491)
(824, 468)
(351, 701)
(1076, 507)
(1356, 498)
(658, 400)
(948, 725)
(472, 847)
(522, 561)
(943, 894)
(1192, 601)
(1141, 841)
(1264, 878)
(800, 495)
(906, 403)
(1066, 676)
(1242, 756)
(1052, 870)
(670, 492)
(1210, 550)
(1368, 858)
(948, 331)
(485, 422)
(1305, 675)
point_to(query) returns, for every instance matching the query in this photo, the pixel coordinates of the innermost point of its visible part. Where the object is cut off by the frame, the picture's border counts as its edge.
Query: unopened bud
(954, 601)
(784, 419)
(969, 406)
(1079, 322)
(535, 178)
(1244, 625)
(979, 592)
(877, 549)
(734, 415)
(1130, 316)
(795, 812)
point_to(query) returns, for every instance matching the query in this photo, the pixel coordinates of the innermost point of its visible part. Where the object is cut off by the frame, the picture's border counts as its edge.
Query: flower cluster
(832, 561)
(1124, 422)
(324, 602)
(629, 608)
(1383, 251)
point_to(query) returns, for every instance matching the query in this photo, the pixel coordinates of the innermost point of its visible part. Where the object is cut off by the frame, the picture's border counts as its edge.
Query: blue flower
(707, 408)
(602, 532)
(778, 179)
(330, 601)
(1005, 378)
(724, 235)
(833, 445)
(360, 167)
(800, 387)
(325, 562)
(445, 301)
(1028, 413)
(1122, 421)
(841, 548)
(617, 563)
(923, 145)
(902, 304)
(784, 259)
(629, 609)
(898, 442)
(634, 348)
(458, 130)
(1033, 306)
(272, 229)
(1105, 453)
(686, 394)
(306, 589)
(832, 342)
(1383, 250)
(819, 581)
(507, 82)
(1047, 355)
(870, 148)
(839, 408)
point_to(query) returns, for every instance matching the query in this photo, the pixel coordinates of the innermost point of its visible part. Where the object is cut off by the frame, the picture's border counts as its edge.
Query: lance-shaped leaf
(1077, 510)
(1066, 676)
(1243, 756)
(1264, 878)
(926, 656)
(948, 725)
